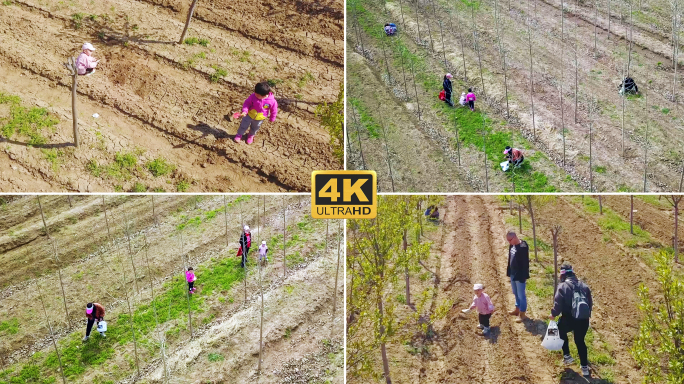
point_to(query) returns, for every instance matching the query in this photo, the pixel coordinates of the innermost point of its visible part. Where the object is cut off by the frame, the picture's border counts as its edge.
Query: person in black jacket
(245, 244)
(562, 305)
(518, 270)
(446, 84)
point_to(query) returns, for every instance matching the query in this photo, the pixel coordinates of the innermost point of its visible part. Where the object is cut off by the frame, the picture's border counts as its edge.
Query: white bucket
(102, 326)
(504, 165)
(552, 340)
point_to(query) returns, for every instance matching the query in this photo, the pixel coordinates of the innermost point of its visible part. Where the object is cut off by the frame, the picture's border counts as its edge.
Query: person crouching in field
(485, 309)
(256, 108)
(190, 277)
(86, 63)
(95, 313)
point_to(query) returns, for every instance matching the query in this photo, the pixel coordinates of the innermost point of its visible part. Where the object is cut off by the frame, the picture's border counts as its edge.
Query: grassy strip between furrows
(365, 119)
(469, 125)
(215, 278)
(613, 224)
(25, 122)
(540, 287)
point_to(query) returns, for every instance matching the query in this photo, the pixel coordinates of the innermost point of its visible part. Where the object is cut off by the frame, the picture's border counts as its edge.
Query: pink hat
(448, 75)
(89, 308)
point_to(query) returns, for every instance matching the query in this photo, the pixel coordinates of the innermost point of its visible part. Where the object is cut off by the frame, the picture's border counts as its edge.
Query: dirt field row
(603, 254)
(157, 99)
(189, 231)
(598, 79)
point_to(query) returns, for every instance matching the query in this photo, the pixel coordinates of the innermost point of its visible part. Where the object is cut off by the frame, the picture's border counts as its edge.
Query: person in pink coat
(484, 306)
(190, 277)
(470, 98)
(259, 105)
(86, 63)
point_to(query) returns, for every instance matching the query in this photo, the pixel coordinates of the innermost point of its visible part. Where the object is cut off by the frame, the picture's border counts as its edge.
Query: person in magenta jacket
(470, 98)
(190, 277)
(258, 106)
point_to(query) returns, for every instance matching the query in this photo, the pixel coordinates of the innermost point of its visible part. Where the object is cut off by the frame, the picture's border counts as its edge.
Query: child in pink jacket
(257, 107)
(86, 63)
(484, 306)
(190, 277)
(470, 98)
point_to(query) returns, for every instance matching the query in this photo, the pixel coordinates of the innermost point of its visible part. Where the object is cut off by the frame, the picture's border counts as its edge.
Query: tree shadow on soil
(45, 146)
(207, 130)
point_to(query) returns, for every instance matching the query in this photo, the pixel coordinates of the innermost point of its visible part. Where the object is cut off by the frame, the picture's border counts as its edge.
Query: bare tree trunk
(591, 169)
(484, 149)
(600, 206)
(389, 161)
(244, 252)
(413, 73)
(609, 3)
(534, 227)
(104, 208)
(631, 25)
(47, 232)
(130, 311)
(52, 335)
(624, 96)
(681, 179)
(460, 39)
(631, 214)
(337, 273)
(646, 145)
(383, 349)
(61, 282)
(676, 224)
(225, 216)
(284, 239)
(420, 40)
(261, 292)
(554, 233)
(562, 65)
(404, 246)
(187, 21)
(154, 215)
(69, 198)
(477, 49)
(520, 217)
(595, 28)
(529, 40)
(576, 75)
(130, 250)
(154, 308)
(358, 133)
(74, 107)
(502, 53)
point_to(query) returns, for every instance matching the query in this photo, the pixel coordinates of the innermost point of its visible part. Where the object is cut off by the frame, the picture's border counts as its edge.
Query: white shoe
(567, 359)
(86, 338)
(479, 326)
(103, 335)
(585, 371)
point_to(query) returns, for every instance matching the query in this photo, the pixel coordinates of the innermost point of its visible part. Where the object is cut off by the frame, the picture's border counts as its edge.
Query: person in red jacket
(95, 312)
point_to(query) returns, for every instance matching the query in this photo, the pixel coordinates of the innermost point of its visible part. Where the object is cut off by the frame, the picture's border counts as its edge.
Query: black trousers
(190, 285)
(244, 256)
(89, 327)
(579, 328)
(484, 319)
(447, 98)
(471, 104)
(519, 161)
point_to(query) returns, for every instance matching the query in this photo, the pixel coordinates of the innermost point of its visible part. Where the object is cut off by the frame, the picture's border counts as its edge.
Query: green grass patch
(124, 166)
(218, 74)
(366, 120)
(208, 215)
(10, 326)
(139, 187)
(25, 122)
(182, 186)
(305, 79)
(54, 156)
(77, 19)
(195, 40)
(214, 357)
(160, 167)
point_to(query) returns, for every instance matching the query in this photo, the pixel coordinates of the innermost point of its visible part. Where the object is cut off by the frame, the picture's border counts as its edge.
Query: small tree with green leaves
(332, 118)
(659, 346)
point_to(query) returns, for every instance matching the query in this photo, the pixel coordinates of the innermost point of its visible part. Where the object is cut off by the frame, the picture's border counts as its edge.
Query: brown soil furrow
(320, 45)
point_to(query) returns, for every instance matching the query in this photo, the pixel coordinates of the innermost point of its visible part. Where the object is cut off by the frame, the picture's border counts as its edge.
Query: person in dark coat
(562, 305)
(518, 270)
(448, 88)
(94, 313)
(245, 243)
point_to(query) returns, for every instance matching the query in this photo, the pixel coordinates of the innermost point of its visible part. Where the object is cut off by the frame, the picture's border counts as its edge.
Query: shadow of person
(536, 327)
(494, 333)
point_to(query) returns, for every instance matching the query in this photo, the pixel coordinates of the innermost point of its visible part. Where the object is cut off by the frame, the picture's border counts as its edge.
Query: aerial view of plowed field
(547, 77)
(157, 115)
(131, 254)
(423, 274)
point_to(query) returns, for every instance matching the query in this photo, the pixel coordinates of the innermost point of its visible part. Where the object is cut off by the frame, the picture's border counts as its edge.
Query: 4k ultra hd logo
(343, 195)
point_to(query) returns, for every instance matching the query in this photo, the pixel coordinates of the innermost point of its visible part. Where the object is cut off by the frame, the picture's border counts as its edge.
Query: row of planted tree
(410, 58)
(126, 290)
